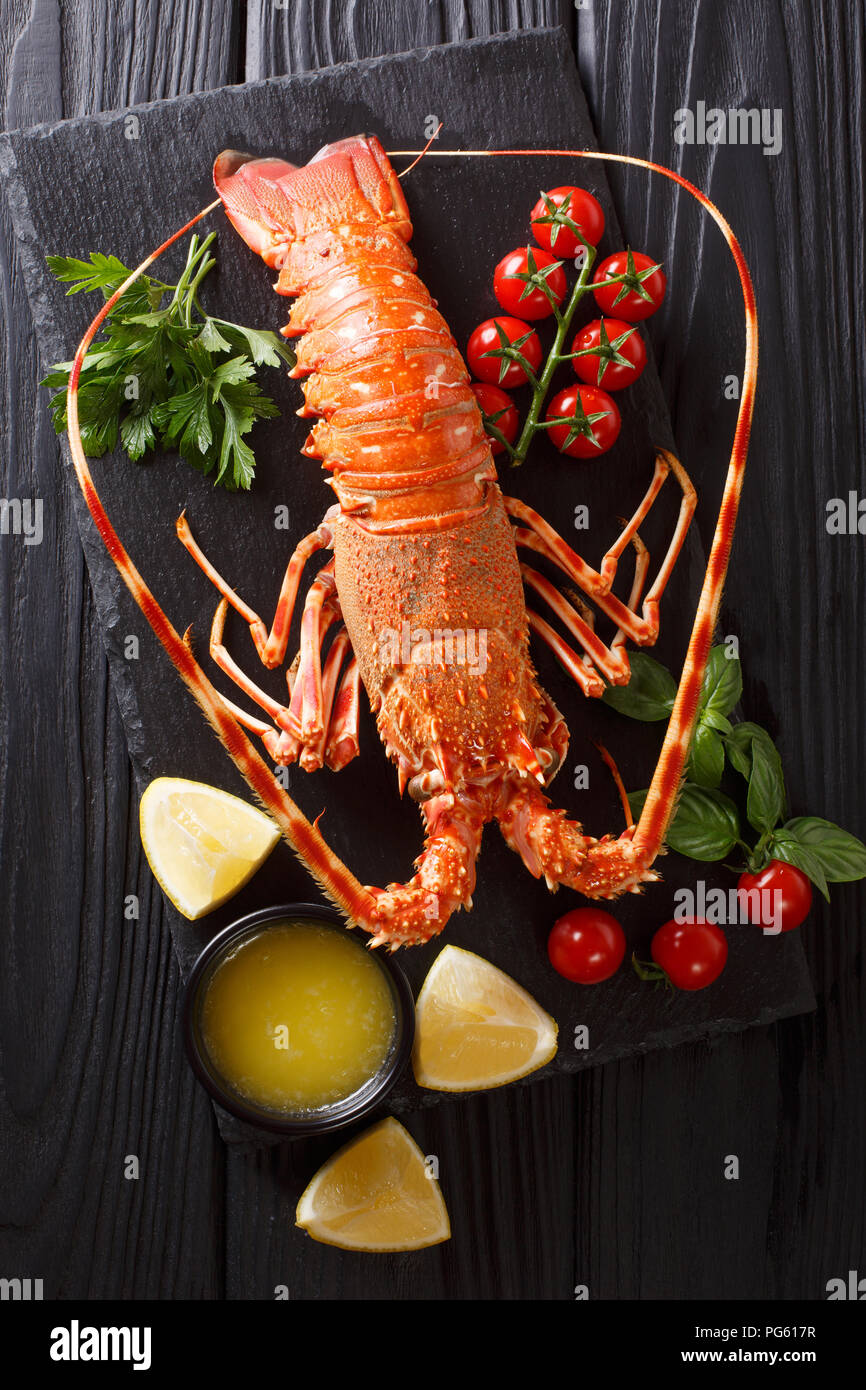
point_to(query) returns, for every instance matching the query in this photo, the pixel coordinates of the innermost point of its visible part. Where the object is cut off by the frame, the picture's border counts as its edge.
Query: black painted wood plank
(306, 34)
(640, 53)
(660, 1214)
(507, 1177)
(92, 1066)
(795, 594)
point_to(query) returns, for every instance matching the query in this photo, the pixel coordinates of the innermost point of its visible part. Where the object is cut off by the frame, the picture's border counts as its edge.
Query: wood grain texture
(299, 35)
(795, 594)
(621, 1169)
(506, 1172)
(91, 1062)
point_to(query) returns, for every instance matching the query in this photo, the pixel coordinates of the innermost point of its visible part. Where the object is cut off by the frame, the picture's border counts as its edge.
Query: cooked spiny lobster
(424, 555)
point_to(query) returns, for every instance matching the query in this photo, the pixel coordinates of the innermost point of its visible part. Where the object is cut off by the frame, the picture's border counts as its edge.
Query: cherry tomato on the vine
(585, 212)
(583, 404)
(692, 954)
(501, 410)
(586, 945)
(514, 291)
(767, 911)
(639, 295)
(500, 370)
(602, 367)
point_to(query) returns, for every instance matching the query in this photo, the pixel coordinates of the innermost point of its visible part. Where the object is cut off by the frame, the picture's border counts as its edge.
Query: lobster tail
(244, 184)
(273, 203)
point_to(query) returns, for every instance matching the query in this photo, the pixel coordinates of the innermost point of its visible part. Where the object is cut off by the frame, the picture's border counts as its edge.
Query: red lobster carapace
(425, 585)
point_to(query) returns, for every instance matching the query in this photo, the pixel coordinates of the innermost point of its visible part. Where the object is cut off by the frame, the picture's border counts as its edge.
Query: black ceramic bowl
(294, 1125)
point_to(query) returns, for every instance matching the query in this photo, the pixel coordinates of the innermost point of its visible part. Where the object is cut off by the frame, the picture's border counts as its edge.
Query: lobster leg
(613, 664)
(288, 742)
(271, 647)
(306, 712)
(641, 567)
(551, 744)
(583, 675)
(226, 662)
(342, 745)
(581, 624)
(537, 534)
(266, 733)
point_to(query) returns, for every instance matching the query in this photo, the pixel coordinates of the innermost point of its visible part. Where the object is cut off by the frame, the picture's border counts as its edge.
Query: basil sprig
(708, 823)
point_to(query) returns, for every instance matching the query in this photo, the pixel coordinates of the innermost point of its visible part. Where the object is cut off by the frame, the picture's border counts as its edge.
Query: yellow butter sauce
(298, 1016)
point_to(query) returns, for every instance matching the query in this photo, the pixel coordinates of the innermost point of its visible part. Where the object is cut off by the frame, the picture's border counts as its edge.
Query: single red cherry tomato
(787, 910)
(518, 296)
(583, 403)
(502, 371)
(692, 954)
(603, 337)
(586, 945)
(636, 297)
(584, 211)
(499, 409)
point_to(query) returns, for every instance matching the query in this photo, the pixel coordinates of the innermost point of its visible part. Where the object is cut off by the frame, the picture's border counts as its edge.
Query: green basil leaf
(716, 721)
(739, 745)
(707, 757)
(649, 694)
(789, 849)
(765, 802)
(841, 855)
(706, 825)
(723, 682)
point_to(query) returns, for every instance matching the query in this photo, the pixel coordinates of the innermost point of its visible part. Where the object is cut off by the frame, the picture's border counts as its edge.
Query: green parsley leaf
(164, 374)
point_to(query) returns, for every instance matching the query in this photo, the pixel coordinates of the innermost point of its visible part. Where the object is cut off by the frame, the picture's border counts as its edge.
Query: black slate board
(466, 214)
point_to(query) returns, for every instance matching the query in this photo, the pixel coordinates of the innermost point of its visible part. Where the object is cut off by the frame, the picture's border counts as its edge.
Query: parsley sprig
(166, 374)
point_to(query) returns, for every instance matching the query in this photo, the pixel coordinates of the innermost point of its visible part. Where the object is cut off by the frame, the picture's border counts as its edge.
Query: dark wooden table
(623, 1167)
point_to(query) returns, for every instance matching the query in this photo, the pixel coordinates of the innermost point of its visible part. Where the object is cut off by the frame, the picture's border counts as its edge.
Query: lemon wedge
(476, 1027)
(375, 1194)
(202, 844)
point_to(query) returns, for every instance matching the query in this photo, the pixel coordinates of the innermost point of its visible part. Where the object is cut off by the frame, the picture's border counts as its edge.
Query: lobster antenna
(331, 873)
(410, 167)
(661, 798)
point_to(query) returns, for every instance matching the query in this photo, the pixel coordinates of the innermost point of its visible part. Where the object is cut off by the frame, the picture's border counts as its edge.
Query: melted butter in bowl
(293, 1024)
(297, 1017)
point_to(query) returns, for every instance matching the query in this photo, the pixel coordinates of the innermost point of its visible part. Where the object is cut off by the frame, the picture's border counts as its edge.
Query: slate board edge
(107, 584)
(514, 39)
(246, 1138)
